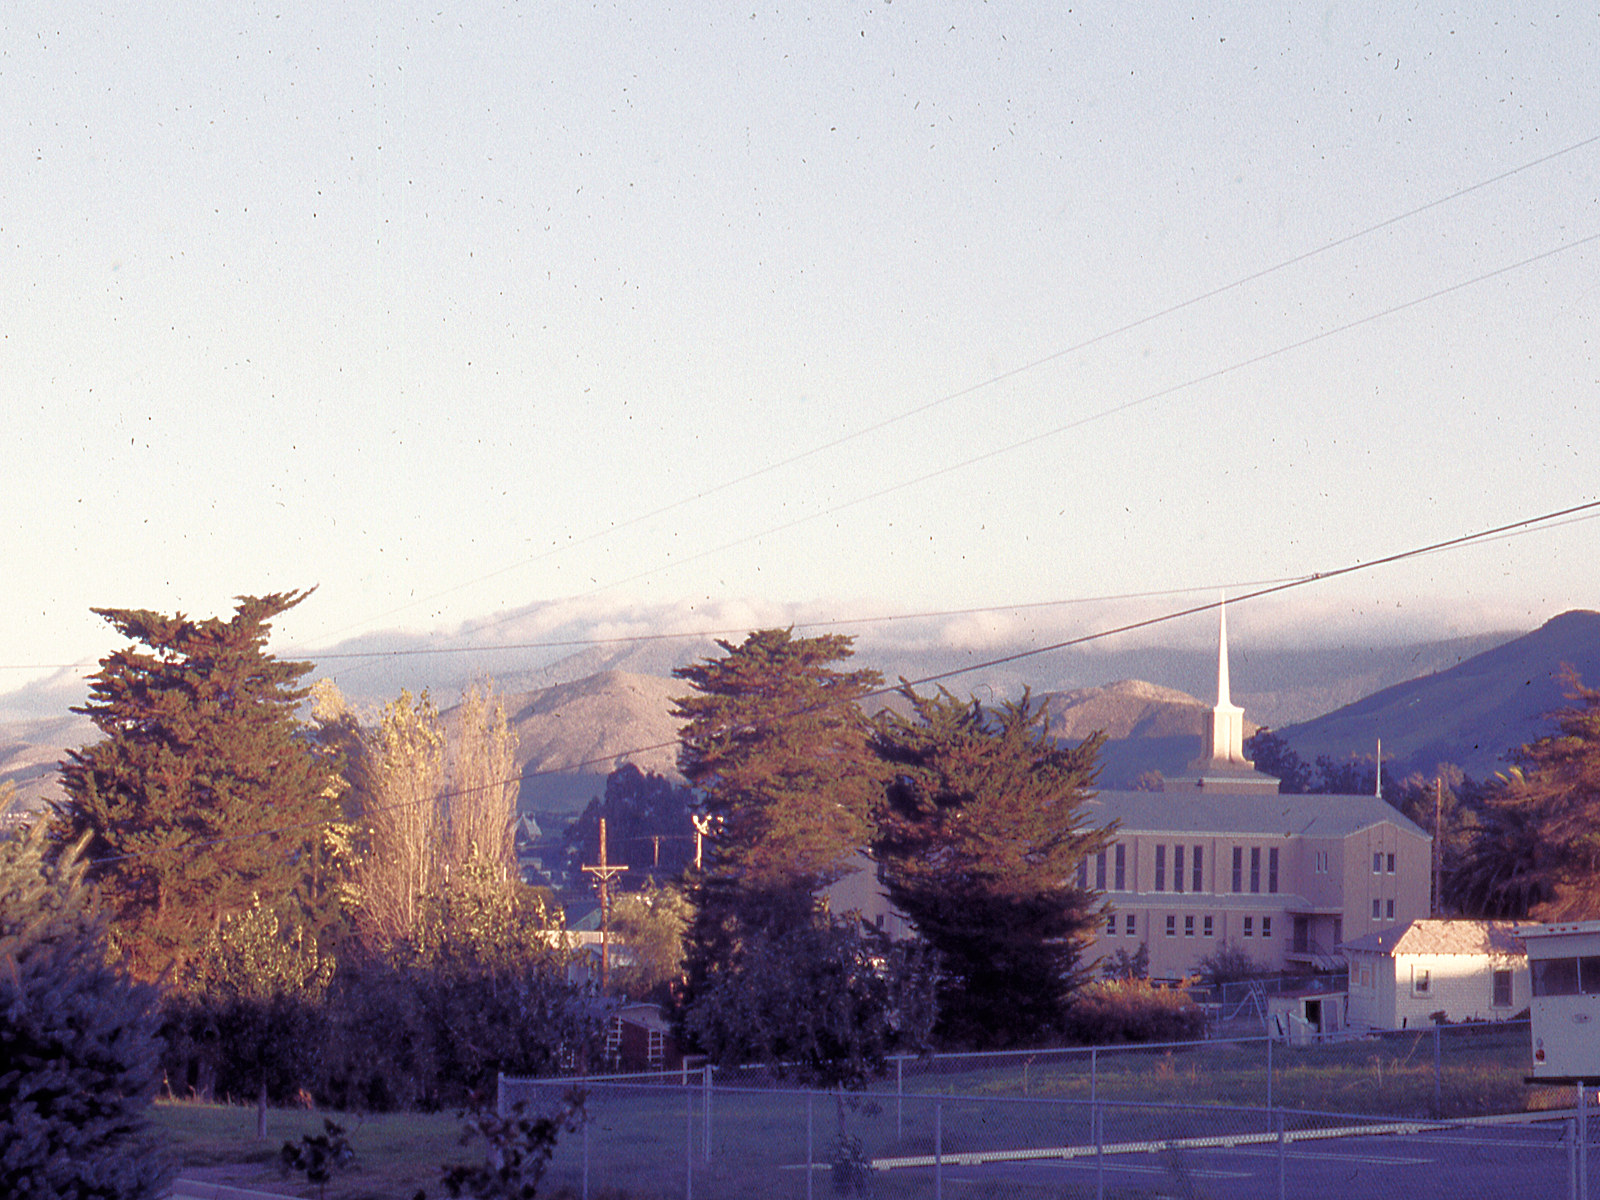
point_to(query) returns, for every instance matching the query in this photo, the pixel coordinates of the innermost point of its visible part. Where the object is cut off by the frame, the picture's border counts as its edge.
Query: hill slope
(1470, 714)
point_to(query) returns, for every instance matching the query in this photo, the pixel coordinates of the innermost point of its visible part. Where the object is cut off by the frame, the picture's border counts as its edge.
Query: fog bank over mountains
(1291, 660)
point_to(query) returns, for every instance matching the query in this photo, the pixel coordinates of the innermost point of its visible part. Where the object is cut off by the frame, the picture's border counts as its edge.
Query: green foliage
(652, 924)
(1109, 1012)
(1229, 963)
(1122, 965)
(319, 1156)
(981, 834)
(1552, 797)
(825, 1001)
(648, 828)
(201, 795)
(776, 744)
(519, 1150)
(78, 1053)
(397, 786)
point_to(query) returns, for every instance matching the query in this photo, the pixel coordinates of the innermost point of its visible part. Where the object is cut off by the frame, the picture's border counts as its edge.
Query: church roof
(1497, 938)
(1260, 815)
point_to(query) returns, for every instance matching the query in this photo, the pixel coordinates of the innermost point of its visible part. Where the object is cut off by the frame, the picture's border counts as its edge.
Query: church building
(1218, 855)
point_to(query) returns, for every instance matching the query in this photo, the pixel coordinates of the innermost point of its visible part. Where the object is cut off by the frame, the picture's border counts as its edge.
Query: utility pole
(1438, 849)
(603, 874)
(702, 826)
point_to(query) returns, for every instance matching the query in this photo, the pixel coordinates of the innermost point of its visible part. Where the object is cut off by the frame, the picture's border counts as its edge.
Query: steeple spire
(1223, 700)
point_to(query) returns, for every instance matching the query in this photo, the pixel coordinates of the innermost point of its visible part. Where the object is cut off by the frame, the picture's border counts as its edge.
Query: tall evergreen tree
(201, 795)
(1553, 796)
(777, 744)
(982, 831)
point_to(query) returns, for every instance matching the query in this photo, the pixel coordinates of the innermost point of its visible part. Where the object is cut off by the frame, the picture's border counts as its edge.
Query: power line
(989, 382)
(1552, 519)
(1113, 410)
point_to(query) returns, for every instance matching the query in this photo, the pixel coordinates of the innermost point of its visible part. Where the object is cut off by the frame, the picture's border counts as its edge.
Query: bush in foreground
(1132, 1010)
(79, 1059)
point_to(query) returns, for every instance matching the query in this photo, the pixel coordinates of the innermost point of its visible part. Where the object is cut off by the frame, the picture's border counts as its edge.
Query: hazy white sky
(420, 304)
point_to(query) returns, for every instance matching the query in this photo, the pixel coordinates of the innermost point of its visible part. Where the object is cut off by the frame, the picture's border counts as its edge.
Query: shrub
(1229, 963)
(1131, 1010)
(78, 1051)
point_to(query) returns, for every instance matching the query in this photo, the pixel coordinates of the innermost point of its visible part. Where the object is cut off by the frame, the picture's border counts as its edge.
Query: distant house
(1402, 977)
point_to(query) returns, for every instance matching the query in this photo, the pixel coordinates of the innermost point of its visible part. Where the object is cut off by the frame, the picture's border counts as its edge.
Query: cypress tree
(201, 795)
(981, 834)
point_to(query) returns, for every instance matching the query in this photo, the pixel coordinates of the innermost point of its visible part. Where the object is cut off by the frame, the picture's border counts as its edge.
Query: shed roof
(1199, 811)
(1495, 938)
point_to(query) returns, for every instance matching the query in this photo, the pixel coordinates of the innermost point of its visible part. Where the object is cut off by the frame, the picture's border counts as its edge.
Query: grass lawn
(396, 1153)
(643, 1143)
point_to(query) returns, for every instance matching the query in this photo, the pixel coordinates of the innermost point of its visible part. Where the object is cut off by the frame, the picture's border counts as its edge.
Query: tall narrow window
(1266, 926)
(1389, 863)
(1255, 868)
(1377, 910)
(1199, 875)
(1121, 868)
(1377, 863)
(1249, 926)
(1238, 869)
(1100, 871)
(1161, 868)
(1502, 989)
(1083, 874)
(1188, 926)
(1172, 925)
(1211, 927)
(1272, 869)
(1177, 868)
(1127, 925)
(1111, 925)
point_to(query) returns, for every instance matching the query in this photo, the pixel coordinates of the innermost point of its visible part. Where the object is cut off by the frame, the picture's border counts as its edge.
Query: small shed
(1429, 970)
(1564, 962)
(1304, 1015)
(639, 1038)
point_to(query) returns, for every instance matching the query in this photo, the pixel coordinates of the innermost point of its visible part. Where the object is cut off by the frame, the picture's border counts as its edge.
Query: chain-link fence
(1358, 1115)
(708, 1142)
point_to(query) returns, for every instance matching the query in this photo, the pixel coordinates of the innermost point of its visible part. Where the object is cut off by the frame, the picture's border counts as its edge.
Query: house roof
(1496, 938)
(1199, 811)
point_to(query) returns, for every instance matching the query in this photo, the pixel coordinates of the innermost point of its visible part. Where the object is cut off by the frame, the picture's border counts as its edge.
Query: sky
(663, 315)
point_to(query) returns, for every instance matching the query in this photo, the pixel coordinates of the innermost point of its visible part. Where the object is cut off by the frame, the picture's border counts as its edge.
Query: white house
(1467, 970)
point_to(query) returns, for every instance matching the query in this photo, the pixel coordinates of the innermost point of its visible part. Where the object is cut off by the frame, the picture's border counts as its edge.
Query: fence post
(1283, 1158)
(688, 1145)
(938, 1150)
(1583, 1142)
(706, 1122)
(809, 1097)
(1572, 1159)
(1438, 1102)
(1269, 1081)
(899, 1094)
(1098, 1128)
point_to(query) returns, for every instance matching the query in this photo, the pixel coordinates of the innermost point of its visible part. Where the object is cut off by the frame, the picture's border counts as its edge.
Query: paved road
(1514, 1162)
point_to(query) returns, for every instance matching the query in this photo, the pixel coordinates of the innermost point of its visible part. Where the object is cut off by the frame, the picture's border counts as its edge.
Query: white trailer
(1564, 965)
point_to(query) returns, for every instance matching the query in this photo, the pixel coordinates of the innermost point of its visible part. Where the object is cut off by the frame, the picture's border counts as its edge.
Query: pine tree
(79, 1059)
(982, 831)
(202, 795)
(1552, 796)
(776, 743)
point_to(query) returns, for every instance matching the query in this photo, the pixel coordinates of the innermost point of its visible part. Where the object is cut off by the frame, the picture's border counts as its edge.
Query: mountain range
(1465, 701)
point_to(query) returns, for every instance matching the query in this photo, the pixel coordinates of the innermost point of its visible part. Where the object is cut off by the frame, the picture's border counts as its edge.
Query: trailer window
(1554, 976)
(1589, 975)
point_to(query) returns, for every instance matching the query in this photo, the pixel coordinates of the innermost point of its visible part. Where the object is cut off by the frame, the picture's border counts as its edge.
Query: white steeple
(1227, 718)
